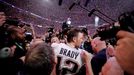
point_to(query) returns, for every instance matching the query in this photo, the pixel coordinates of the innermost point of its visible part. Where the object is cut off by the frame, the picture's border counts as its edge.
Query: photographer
(121, 36)
(17, 37)
(12, 47)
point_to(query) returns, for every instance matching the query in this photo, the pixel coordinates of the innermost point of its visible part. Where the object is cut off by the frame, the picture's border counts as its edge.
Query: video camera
(108, 32)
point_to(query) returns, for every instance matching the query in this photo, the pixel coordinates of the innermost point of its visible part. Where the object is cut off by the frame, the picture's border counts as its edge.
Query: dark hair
(72, 33)
(40, 60)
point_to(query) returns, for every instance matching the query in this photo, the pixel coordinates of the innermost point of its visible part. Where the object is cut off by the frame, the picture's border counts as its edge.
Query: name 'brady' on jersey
(69, 59)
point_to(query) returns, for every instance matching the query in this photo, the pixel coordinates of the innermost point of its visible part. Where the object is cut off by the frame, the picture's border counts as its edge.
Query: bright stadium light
(96, 21)
(69, 21)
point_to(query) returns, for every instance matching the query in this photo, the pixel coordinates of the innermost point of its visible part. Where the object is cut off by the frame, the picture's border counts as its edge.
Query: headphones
(5, 52)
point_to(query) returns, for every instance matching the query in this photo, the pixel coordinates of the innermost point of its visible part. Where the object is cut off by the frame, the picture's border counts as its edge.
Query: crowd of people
(69, 52)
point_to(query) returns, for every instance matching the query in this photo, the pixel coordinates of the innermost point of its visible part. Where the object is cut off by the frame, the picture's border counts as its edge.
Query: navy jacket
(98, 61)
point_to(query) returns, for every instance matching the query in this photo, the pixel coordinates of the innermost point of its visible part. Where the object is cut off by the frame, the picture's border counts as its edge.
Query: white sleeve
(54, 45)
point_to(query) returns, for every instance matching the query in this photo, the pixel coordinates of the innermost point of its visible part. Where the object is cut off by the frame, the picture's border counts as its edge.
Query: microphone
(72, 6)
(60, 2)
(86, 3)
(91, 12)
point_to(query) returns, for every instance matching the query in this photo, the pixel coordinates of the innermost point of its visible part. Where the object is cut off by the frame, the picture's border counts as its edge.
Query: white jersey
(69, 59)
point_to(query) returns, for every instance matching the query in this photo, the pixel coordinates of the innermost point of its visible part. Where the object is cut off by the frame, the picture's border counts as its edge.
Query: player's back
(69, 59)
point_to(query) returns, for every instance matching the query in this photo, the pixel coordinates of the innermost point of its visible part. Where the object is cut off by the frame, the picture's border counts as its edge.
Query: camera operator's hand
(110, 51)
(111, 67)
(124, 51)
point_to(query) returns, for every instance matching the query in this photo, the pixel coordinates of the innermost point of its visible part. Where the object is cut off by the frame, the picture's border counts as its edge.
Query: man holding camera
(124, 49)
(11, 46)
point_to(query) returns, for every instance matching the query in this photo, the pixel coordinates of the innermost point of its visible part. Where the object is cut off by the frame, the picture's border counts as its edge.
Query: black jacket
(98, 61)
